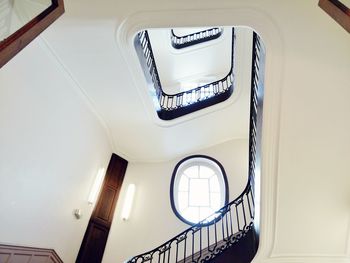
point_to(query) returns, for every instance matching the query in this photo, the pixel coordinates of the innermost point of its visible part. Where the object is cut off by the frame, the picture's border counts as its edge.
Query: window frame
(13, 44)
(175, 173)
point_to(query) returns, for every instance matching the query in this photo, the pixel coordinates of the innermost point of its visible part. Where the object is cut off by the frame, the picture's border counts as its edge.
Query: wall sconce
(77, 213)
(96, 187)
(128, 202)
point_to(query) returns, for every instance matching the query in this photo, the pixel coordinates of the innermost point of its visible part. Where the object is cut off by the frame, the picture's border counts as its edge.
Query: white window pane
(192, 172)
(199, 189)
(205, 172)
(182, 199)
(191, 214)
(215, 199)
(212, 217)
(199, 192)
(214, 184)
(183, 184)
(204, 212)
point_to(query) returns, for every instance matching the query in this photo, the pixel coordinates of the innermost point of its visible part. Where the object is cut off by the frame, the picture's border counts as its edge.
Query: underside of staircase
(240, 248)
(243, 251)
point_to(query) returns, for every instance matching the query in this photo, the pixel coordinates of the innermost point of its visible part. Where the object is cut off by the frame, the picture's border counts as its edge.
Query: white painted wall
(51, 146)
(305, 180)
(152, 220)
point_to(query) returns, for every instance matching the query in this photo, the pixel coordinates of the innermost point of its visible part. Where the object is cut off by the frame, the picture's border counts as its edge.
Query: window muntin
(198, 188)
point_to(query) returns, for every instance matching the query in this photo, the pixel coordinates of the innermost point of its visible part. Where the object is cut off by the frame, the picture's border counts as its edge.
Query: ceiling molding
(306, 259)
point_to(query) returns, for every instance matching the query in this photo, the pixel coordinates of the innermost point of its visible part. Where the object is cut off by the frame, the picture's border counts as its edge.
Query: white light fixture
(129, 197)
(96, 187)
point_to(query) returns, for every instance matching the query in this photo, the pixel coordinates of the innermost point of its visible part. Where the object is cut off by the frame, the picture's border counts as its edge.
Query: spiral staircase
(232, 233)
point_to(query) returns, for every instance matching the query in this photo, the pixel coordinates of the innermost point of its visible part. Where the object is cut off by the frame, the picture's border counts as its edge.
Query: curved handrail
(170, 106)
(223, 214)
(233, 221)
(179, 42)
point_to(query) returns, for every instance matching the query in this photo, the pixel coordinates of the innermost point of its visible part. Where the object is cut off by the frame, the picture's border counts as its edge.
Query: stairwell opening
(234, 234)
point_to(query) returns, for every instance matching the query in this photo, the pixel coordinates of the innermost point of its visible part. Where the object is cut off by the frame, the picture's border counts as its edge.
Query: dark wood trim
(34, 254)
(10, 46)
(96, 235)
(338, 11)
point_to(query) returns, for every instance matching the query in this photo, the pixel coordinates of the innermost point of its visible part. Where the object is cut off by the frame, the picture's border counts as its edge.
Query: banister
(233, 221)
(196, 38)
(171, 106)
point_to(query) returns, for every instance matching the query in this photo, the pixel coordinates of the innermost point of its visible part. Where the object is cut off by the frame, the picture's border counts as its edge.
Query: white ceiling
(305, 179)
(112, 79)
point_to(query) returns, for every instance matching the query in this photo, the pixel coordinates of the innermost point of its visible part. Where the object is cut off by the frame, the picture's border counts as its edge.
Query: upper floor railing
(213, 235)
(179, 42)
(171, 106)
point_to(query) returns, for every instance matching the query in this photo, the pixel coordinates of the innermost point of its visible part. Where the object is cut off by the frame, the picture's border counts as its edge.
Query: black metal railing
(179, 42)
(213, 235)
(256, 105)
(170, 106)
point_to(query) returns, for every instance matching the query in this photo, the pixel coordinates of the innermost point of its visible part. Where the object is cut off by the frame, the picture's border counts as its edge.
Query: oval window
(198, 188)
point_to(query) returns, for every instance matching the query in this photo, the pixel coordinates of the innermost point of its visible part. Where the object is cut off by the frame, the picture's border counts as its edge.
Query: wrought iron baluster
(169, 253)
(238, 225)
(226, 84)
(198, 94)
(200, 243)
(215, 237)
(177, 251)
(222, 226)
(193, 245)
(208, 235)
(185, 247)
(252, 198)
(226, 225)
(244, 215)
(231, 223)
(250, 209)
